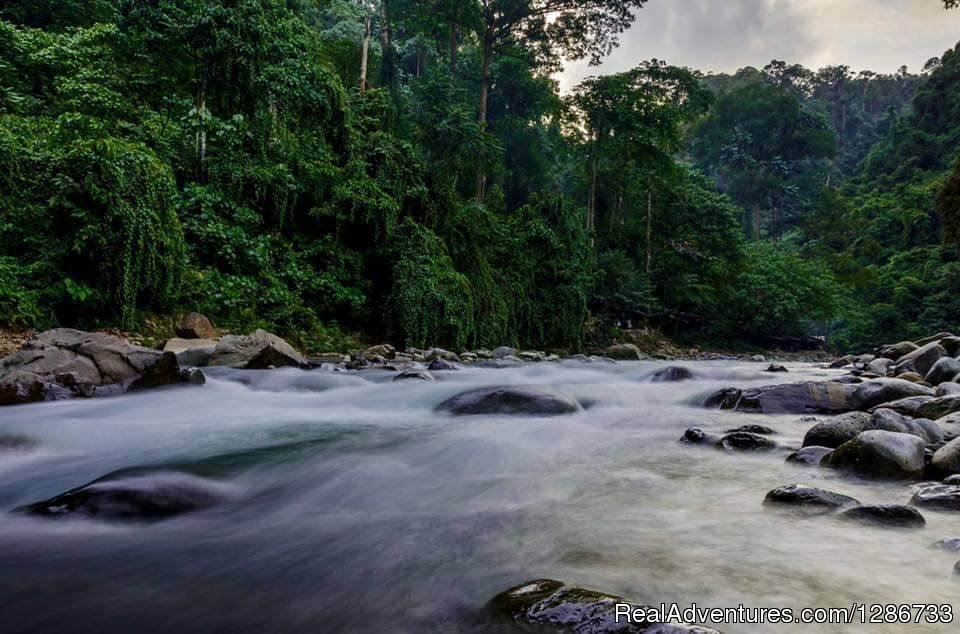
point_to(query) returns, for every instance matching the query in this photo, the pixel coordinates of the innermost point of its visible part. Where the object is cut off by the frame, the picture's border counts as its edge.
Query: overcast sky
(724, 35)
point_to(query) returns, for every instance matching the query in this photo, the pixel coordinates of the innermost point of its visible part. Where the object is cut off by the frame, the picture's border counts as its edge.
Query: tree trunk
(482, 114)
(386, 39)
(365, 51)
(454, 46)
(592, 198)
(756, 222)
(649, 226)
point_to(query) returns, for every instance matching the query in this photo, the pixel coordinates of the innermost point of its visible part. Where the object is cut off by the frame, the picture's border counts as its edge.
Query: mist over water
(349, 505)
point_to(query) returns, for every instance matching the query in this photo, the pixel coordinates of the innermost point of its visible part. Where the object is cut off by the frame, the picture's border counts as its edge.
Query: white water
(353, 507)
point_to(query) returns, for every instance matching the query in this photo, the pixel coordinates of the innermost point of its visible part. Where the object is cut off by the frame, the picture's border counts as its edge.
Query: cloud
(724, 35)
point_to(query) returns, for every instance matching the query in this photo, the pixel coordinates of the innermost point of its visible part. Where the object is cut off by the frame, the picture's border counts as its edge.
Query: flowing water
(353, 507)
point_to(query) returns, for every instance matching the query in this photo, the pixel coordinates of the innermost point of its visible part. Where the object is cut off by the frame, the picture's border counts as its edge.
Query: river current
(351, 506)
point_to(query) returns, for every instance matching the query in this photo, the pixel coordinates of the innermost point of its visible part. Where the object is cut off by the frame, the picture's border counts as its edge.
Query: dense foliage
(407, 169)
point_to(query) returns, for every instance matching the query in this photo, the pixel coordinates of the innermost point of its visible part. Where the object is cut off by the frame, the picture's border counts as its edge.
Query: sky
(724, 35)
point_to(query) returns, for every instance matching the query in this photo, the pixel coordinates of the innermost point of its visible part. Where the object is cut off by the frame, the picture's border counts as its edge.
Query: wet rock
(193, 376)
(913, 377)
(842, 362)
(906, 406)
(441, 365)
(954, 480)
(880, 454)
(672, 374)
(195, 353)
(776, 367)
(758, 358)
(725, 398)
(415, 375)
(811, 455)
(920, 360)
(753, 429)
(939, 407)
(146, 497)
(946, 461)
(439, 353)
(949, 545)
(835, 431)
(956, 570)
(745, 441)
(623, 352)
(945, 369)
(878, 391)
(933, 338)
(796, 398)
(382, 351)
(552, 606)
(503, 352)
(941, 497)
(258, 351)
(880, 367)
(895, 351)
(195, 326)
(891, 515)
(951, 344)
(166, 371)
(947, 389)
(12, 443)
(532, 356)
(696, 436)
(531, 401)
(808, 499)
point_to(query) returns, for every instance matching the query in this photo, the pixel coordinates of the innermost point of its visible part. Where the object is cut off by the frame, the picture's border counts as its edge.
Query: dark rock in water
(833, 432)
(439, 365)
(941, 497)
(753, 429)
(696, 436)
(149, 497)
(17, 443)
(790, 398)
(258, 351)
(949, 545)
(809, 499)
(842, 361)
(776, 367)
(954, 480)
(878, 391)
(725, 398)
(946, 461)
(811, 455)
(892, 515)
(939, 407)
(956, 569)
(672, 374)
(195, 326)
(509, 400)
(407, 375)
(552, 606)
(880, 454)
(744, 441)
(194, 376)
(166, 371)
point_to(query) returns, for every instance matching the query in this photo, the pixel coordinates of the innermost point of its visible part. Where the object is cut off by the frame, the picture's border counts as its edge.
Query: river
(353, 507)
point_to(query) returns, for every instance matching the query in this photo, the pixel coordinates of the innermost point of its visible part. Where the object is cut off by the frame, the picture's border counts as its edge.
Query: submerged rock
(531, 401)
(672, 374)
(811, 455)
(414, 375)
(808, 499)
(552, 606)
(890, 515)
(776, 367)
(942, 497)
(880, 454)
(949, 545)
(258, 351)
(696, 436)
(753, 429)
(441, 365)
(745, 441)
(149, 497)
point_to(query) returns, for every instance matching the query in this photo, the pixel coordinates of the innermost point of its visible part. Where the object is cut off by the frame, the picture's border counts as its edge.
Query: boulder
(811, 455)
(892, 515)
(532, 401)
(439, 353)
(945, 369)
(842, 362)
(895, 351)
(258, 351)
(533, 356)
(545, 605)
(166, 371)
(913, 377)
(880, 454)
(623, 352)
(933, 338)
(940, 497)
(880, 366)
(763, 430)
(502, 352)
(946, 460)
(920, 360)
(807, 499)
(878, 391)
(383, 351)
(696, 436)
(745, 441)
(939, 407)
(890, 420)
(906, 406)
(672, 374)
(951, 344)
(947, 389)
(726, 398)
(954, 479)
(835, 431)
(441, 365)
(776, 367)
(195, 326)
(143, 497)
(793, 398)
(416, 375)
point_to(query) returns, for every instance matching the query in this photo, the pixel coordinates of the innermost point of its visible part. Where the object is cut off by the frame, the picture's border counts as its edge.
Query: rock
(945, 369)
(776, 367)
(794, 398)
(906, 406)
(913, 377)
(949, 545)
(145, 497)
(893, 515)
(933, 338)
(835, 431)
(745, 441)
(166, 371)
(753, 429)
(807, 498)
(194, 376)
(939, 407)
(421, 375)
(623, 352)
(947, 389)
(880, 366)
(383, 351)
(920, 360)
(897, 350)
(195, 326)
(533, 356)
(842, 361)
(956, 569)
(878, 391)
(696, 436)
(951, 344)
(946, 461)
(258, 351)
(441, 365)
(545, 605)
(504, 351)
(726, 398)
(196, 357)
(758, 358)
(672, 374)
(811, 455)
(880, 454)
(954, 479)
(531, 401)
(941, 497)
(9, 443)
(440, 353)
